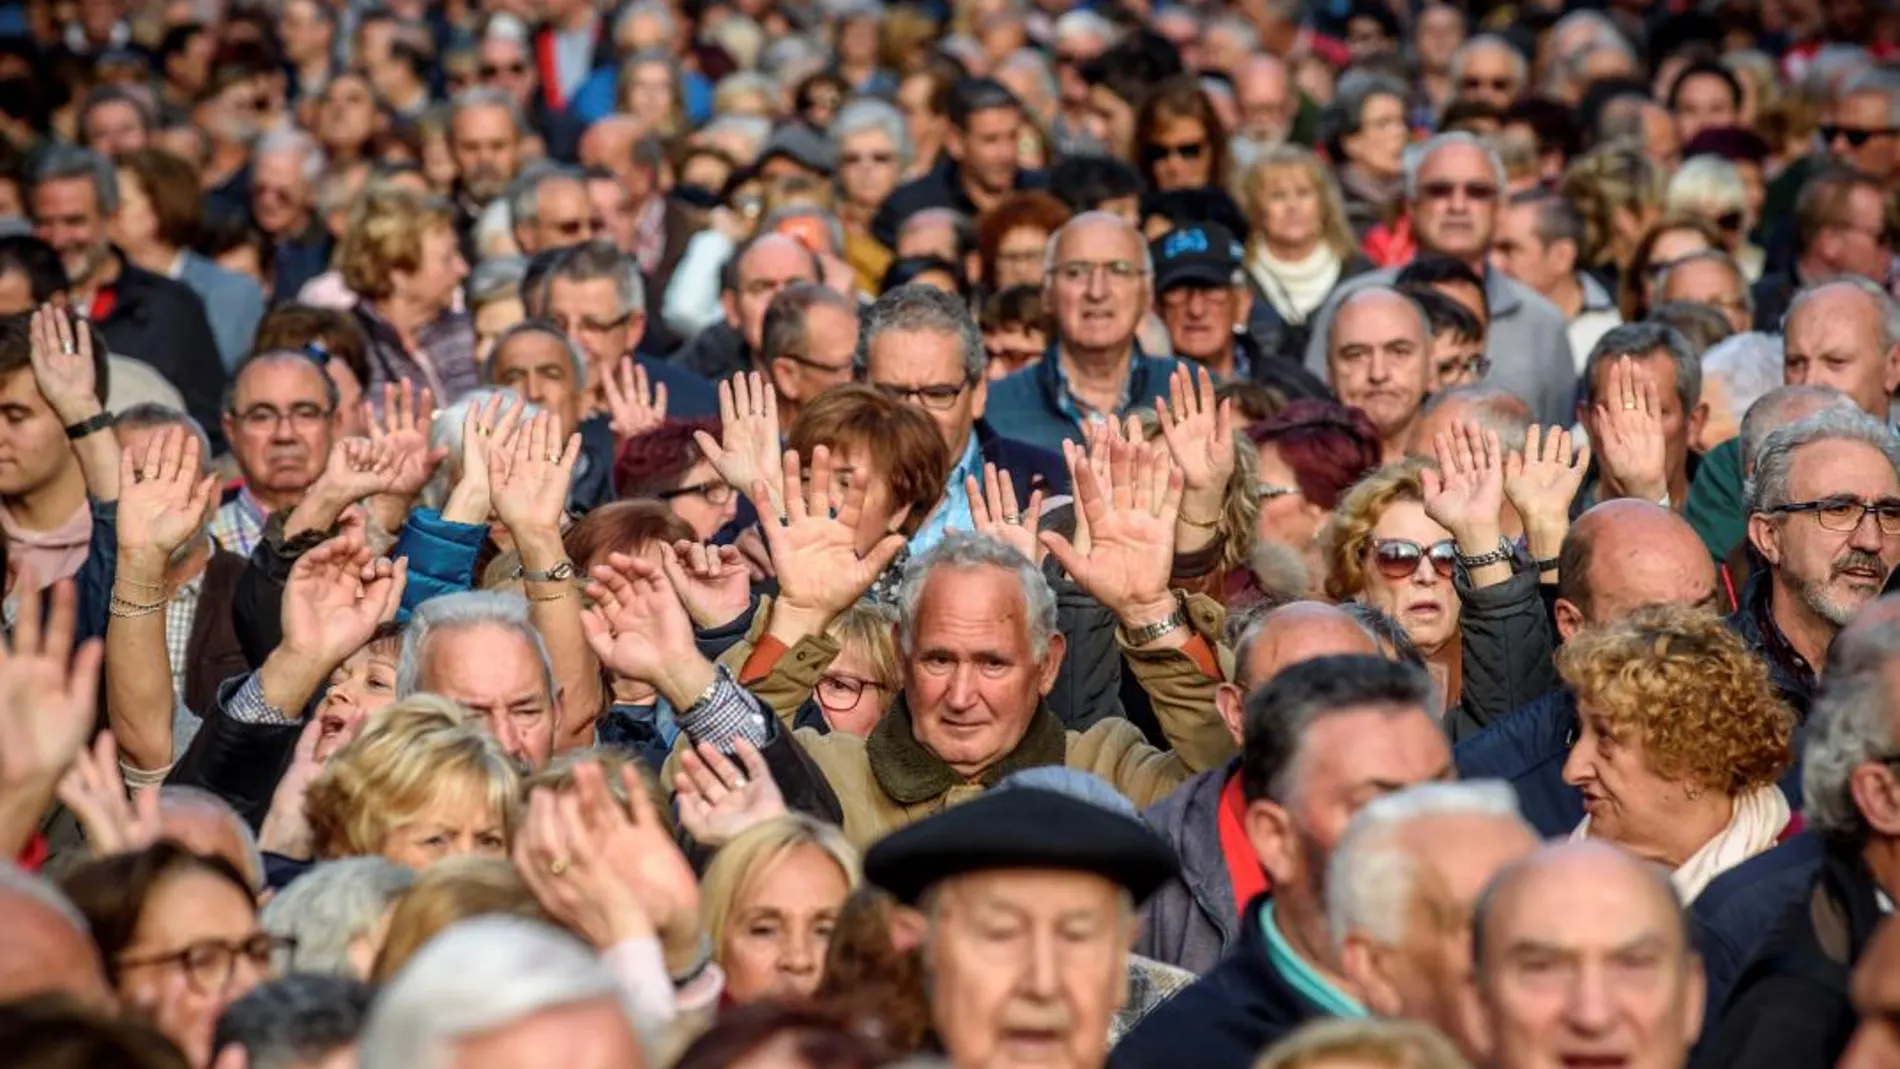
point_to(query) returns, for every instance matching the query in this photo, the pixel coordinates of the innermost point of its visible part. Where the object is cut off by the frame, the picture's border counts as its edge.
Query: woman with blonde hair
(403, 260)
(1711, 189)
(443, 894)
(1618, 192)
(769, 901)
(1300, 246)
(859, 685)
(1363, 1044)
(421, 783)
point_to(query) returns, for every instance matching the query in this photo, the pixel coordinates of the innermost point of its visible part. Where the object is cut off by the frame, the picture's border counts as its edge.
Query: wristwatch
(1147, 633)
(559, 573)
(1500, 555)
(85, 427)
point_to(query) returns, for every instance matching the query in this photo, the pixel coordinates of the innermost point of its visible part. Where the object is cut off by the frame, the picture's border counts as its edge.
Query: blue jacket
(234, 305)
(689, 395)
(1026, 406)
(1028, 465)
(441, 556)
(1527, 749)
(1738, 909)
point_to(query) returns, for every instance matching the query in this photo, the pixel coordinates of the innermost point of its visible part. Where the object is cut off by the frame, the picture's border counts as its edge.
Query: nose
(1043, 977)
(801, 954)
(1589, 1010)
(1098, 283)
(1377, 368)
(1867, 535)
(1577, 764)
(962, 691)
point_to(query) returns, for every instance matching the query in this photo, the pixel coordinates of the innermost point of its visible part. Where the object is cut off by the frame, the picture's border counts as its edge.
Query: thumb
(1063, 551)
(884, 552)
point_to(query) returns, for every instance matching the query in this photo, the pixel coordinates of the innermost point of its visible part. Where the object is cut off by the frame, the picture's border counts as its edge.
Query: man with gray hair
(298, 1021)
(1488, 70)
(1378, 360)
(1710, 277)
(72, 196)
(549, 207)
(1641, 402)
(806, 344)
(1453, 183)
(1321, 739)
(1400, 890)
(922, 346)
(480, 648)
(1078, 36)
(1540, 243)
(485, 142)
(497, 991)
(1864, 132)
(1736, 372)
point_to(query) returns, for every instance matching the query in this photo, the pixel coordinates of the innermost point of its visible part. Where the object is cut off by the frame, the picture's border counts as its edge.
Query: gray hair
(1848, 727)
(1387, 633)
(1417, 155)
(153, 414)
(1711, 255)
(967, 549)
(445, 435)
(1877, 79)
(524, 193)
(754, 128)
(597, 259)
(496, 280)
(1492, 408)
(1706, 184)
(652, 9)
(479, 975)
(913, 308)
(1489, 40)
(1374, 869)
(786, 329)
(184, 798)
(294, 139)
(295, 1021)
(1280, 715)
(330, 907)
(60, 162)
(870, 113)
(1089, 218)
(1247, 36)
(485, 96)
(1771, 411)
(463, 611)
(1767, 488)
(1084, 23)
(1888, 308)
(577, 361)
(1639, 340)
(1038, 66)
(1345, 116)
(788, 58)
(33, 887)
(1749, 365)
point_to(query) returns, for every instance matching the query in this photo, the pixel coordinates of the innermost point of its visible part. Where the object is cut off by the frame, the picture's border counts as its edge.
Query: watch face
(563, 570)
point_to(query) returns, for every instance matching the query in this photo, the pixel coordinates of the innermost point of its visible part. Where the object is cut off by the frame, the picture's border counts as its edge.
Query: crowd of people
(792, 534)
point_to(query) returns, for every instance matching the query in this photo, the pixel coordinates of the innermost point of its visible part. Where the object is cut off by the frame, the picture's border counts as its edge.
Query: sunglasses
(1397, 558)
(1190, 151)
(1856, 136)
(512, 69)
(1483, 192)
(1729, 222)
(1501, 85)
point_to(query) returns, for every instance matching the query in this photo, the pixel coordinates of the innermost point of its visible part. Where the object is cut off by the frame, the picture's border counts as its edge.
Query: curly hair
(1679, 680)
(385, 236)
(1343, 541)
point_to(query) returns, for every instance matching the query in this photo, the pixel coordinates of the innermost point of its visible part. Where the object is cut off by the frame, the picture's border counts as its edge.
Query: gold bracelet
(128, 610)
(556, 596)
(141, 584)
(1192, 522)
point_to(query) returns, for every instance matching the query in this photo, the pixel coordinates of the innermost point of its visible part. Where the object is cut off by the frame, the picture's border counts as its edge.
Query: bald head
(609, 143)
(1492, 408)
(207, 825)
(1595, 881)
(47, 948)
(1624, 554)
(1285, 636)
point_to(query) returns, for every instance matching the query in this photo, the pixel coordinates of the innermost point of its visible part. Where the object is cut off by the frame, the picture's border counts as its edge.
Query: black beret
(1020, 829)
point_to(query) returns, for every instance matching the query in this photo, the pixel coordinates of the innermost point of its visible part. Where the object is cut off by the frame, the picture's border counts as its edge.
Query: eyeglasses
(1856, 136)
(589, 325)
(494, 70)
(1268, 491)
(855, 159)
(938, 398)
(1476, 365)
(302, 417)
(208, 963)
(1080, 272)
(1190, 151)
(1397, 558)
(574, 228)
(714, 491)
(806, 361)
(842, 692)
(1483, 192)
(1501, 85)
(1843, 515)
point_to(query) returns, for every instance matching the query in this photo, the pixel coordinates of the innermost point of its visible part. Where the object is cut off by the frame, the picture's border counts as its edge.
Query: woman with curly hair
(1680, 741)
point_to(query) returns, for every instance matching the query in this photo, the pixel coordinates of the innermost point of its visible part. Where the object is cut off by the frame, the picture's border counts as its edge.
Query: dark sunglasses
(492, 70)
(1729, 222)
(1482, 192)
(1397, 558)
(1190, 151)
(1856, 136)
(1502, 85)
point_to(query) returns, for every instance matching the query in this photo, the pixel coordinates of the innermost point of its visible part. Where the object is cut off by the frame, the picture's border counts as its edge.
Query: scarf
(1294, 287)
(911, 775)
(1760, 816)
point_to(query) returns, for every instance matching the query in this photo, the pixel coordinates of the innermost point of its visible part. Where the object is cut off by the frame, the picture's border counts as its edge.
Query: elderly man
(485, 142)
(299, 1021)
(751, 278)
(1641, 403)
(1265, 97)
(115, 120)
(1539, 240)
(1205, 302)
(1194, 920)
(280, 420)
(1453, 183)
(1378, 348)
(500, 991)
(481, 649)
(1581, 956)
(1322, 739)
(1710, 277)
(1488, 70)
(1098, 288)
(285, 168)
(1400, 890)
(1864, 130)
(979, 167)
(1056, 871)
(539, 362)
(922, 346)
(549, 207)
(1840, 230)
(49, 947)
(594, 292)
(806, 344)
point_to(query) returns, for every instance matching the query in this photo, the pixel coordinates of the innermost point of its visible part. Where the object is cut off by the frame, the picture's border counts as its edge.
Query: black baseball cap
(1199, 254)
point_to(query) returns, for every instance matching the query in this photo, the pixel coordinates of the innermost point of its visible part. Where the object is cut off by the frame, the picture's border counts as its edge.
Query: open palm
(636, 626)
(1543, 480)
(162, 497)
(814, 552)
(1466, 493)
(747, 450)
(1130, 556)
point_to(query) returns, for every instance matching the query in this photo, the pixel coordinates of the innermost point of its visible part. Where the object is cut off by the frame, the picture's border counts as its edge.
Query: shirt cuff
(728, 711)
(248, 706)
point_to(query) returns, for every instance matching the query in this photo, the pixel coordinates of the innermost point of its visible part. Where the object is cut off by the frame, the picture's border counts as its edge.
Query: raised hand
(1199, 432)
(1131, 528)
(404, 427)
(718, 799)
(529, 484)
(814, 551)
(555, 853)
(48, 696)
(636, 625)
(488, 427)
(94, 790)
(632, 408)
(1630, 435)
(1543, 480)
(713, 582)
(995, 510)
(1466, 492)
(162, 497)
(286, 831)
(61, 351)
(360, 467)
(747, 451)
(336, 596)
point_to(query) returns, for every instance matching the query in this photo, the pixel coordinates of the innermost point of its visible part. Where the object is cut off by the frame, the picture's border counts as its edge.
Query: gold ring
(558, 866)
(1629, 406)
(554, 458)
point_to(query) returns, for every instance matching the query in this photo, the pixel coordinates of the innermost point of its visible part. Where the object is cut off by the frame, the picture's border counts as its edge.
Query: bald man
(1617, 557)
(1378, 360)
(1627, 989)
(1193, 920)
(47, 948)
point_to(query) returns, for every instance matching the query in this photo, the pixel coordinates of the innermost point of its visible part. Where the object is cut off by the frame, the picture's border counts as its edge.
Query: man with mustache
(1824, 512)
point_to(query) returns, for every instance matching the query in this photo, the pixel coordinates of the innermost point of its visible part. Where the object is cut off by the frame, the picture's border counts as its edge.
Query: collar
(1787, 668)
(1596, 298)
(1303, 977)
(1499, 293)
(910, 774)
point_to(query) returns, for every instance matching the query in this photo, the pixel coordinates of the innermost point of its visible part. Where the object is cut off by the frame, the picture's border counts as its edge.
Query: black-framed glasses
(1496, 85)
(303, 416)
(1843, 515)
(1855, 136)
(1482, 192)
(1397, 558)
(208, 963)
(495, 70)
(842, 692)
(938, 398)
(714, 491)
(1729, 222)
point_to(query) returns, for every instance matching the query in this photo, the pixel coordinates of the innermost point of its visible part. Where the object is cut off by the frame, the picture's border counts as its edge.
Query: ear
(636, 329)
(783, 379)
(1563, 255)
(1892, 379)
(1765, 536)
(979, 396)
(1359, 960)
(1477, 1022)
(1243, 306)
(1569, 619)
(907, 929)
(1876, 796)
(230, 427)
(1231, 704)
(1270, 832)
(1699, 419)
(729, 304)
(953, 142)
(1051, 665)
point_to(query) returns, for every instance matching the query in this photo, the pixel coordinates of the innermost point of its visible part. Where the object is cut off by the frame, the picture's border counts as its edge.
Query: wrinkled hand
(1131, 527)
(569, 878)
(404, 428)
(48, 696)
(632, 407)
(489, 427)
(1629, 429)
(529, 483)
(1543, 480)
(636, 625)
(718, 799)
(814, 552)
(61, 352)
(95, 791)
(163, 497)
(336, 596)
(711, 581)
(748, 447)
(1199, 432)
(996, 513)
(1465, 493)
(360, 467)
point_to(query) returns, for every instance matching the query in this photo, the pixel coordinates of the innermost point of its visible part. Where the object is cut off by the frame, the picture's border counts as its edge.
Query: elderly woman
(892, 449)
(1308, 456)
(1711, 189)
(335, 915)
(769, 901)
(666, 464)
(1365, 135)
(419, 784)
(1299, 245)
(403, 260)
(1618, 192)
(1382, 549)
(873, 150)
(178, 935)
(1013, 237)
(1179, 141)
(1680, 741)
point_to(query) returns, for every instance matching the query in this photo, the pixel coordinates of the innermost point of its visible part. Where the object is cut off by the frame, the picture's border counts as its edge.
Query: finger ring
(1629, 406)
(554, 458)
(784, 519)
(68, 349)
(738, 782)
(484, 431)
(1013, 518)
(557, 867)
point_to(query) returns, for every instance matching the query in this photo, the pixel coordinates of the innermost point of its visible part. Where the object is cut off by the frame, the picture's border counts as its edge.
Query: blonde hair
(387, 225)
(867, 626)
(1249, 191)
(1343, 541)
(559, 776)
(1363, 1044)
(1604, 183)
(446, 892)
(1708, 186)
(740, 863)
(406, 759)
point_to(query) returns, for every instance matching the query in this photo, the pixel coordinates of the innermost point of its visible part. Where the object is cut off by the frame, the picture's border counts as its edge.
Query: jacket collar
(911, 775)
(1788, 671)
(1499, 294)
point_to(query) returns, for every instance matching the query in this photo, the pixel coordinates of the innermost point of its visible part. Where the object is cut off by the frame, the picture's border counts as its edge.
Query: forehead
(69, 194)
(1703, 275)
(1656, 361)
(1465, 850)
(1035, 891)
(582, 295)
(868, 137)
(497, 48)
(531, 349)
(477, 654)
(1489, 57)
(1100, 240)
(1378, 316)
(1384, 743)
(1840, 466)
(560, 193)
(1407, 519)
(777, 257)
(1585, 904)
(1646, 564)
(1456, 160)
(1836, 311)
(981, 602)
(280, 377)
(484, 120)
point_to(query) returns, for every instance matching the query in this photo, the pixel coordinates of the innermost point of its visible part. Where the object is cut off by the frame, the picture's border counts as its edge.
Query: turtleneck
(1295, 287)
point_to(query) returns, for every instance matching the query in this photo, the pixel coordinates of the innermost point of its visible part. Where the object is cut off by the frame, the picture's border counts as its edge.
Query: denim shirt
(954, 510)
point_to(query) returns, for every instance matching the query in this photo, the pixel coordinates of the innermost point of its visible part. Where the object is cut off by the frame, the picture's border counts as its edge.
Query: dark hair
(654, 462)
(1186, 207)
(171, 185)
(1470, 115)
(57, 1032)
(1180, 97)
(1329, 447)
(221, 233)
(819, 1036)
(1431, 269)
(295, 1019)
(34, 258)
(1737, 144)
(1085, 183)
(1445, 314)
(1713, 69)
(1822, 202)
(862, 964)
(176, 40)
(1279, 713)
(1016, 306)
(1552, 123)
(973, 96)
(116, 94)
(16, 348)
(1138, 61)
(905, 270)
(622, 527)
(112, 892)
(306, 327)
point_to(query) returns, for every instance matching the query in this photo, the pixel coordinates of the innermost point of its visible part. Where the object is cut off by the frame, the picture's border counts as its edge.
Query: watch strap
(1147, 633)
(1499, 555)
(92, 425)
(562, 570)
